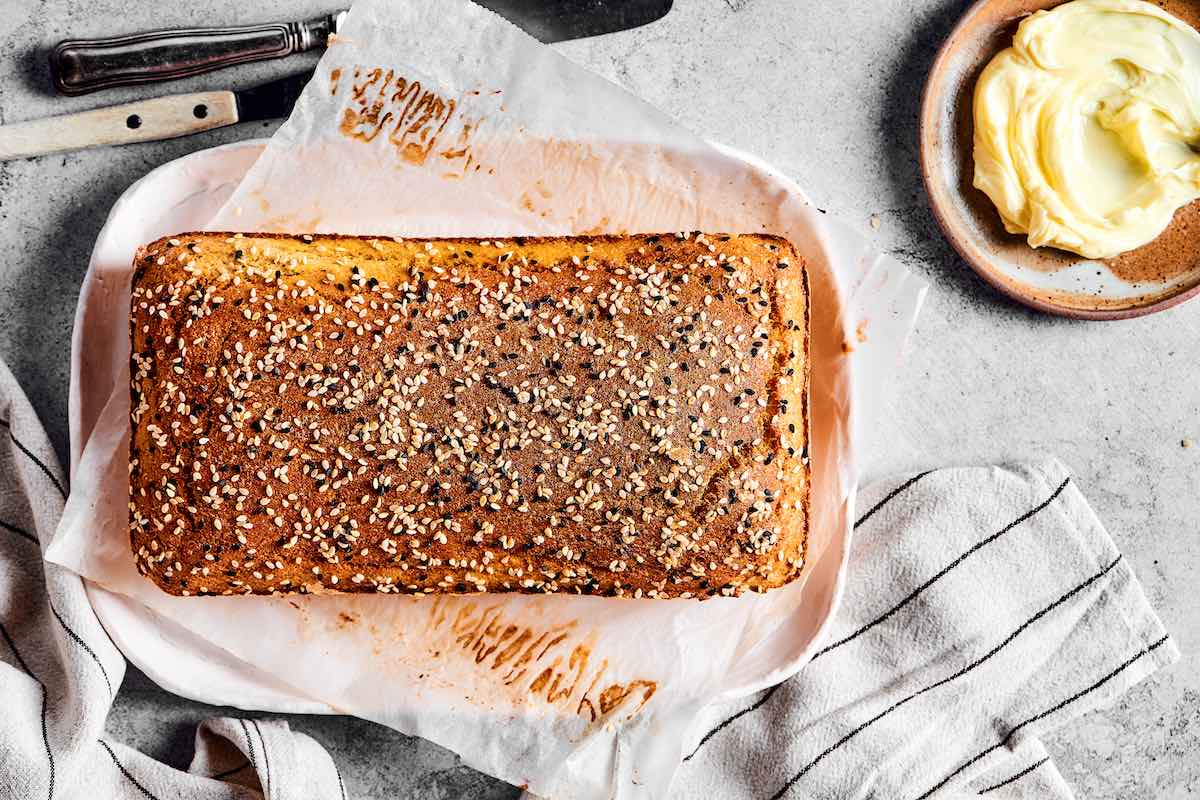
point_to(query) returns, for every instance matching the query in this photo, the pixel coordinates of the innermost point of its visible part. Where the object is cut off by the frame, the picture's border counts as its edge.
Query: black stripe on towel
(1016, 777)
(24, 534)
(767, 695)
(341, 786)
(942, 573)
(45, 731)
(249, 745)
(79, 641)
(124, 771)
(890, 496)
(20, 446)
(46, 740)
(1081, 693)
(968, 668)
(266, 761)
(757, 705)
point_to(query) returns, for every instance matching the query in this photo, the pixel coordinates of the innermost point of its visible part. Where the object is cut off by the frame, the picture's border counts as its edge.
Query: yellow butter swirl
(1087, 129)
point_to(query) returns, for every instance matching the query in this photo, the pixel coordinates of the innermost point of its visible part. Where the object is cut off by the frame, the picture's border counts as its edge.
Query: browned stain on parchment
(458, 155)
(335, 77)
(410, 115)
(536, 199)
(554, 663)
(849, 345)
(599, 228)
(527, 204)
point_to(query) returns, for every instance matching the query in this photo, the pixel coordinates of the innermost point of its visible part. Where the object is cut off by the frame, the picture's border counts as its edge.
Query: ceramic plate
(1049, 280)
(183, 195)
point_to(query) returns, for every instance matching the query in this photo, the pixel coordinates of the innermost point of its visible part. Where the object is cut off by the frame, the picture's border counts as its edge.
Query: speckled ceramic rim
(969, 249)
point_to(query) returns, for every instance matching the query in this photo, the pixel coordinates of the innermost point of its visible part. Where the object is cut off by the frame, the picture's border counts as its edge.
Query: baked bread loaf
(615, 415)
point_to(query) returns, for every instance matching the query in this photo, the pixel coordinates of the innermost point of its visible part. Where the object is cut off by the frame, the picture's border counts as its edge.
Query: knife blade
(79, 66)
(151, 120)
(561, 20)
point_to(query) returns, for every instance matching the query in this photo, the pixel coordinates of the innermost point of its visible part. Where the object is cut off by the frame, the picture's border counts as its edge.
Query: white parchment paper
(441, 119)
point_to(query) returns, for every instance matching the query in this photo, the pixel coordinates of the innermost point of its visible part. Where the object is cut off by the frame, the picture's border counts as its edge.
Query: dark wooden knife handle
(80, 66)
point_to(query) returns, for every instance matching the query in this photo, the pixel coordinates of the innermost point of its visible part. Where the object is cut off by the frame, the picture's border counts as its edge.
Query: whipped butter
(1087, 129)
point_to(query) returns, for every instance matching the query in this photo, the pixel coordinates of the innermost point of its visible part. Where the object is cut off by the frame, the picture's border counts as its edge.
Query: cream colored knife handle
(143, 121)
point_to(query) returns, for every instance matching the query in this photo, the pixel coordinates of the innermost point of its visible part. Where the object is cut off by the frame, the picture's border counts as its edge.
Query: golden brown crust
(620, 415)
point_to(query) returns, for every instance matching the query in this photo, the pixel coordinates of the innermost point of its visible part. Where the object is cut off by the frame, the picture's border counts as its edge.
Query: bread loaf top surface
(603, 415)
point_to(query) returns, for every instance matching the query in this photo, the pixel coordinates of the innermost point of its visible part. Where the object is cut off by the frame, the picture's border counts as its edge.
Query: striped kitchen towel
(983, 608)
(59, 672)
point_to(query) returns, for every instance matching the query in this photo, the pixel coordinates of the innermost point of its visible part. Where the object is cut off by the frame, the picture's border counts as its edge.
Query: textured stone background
(828, 92)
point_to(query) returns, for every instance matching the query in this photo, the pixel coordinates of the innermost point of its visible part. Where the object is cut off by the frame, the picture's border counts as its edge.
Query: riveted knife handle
(80, 66)
(142, 121)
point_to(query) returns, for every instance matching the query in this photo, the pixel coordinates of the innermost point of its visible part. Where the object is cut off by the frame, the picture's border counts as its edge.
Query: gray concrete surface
(828, 92)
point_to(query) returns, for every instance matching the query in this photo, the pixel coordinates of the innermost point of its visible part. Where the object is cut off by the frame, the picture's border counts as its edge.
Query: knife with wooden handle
(150, 120)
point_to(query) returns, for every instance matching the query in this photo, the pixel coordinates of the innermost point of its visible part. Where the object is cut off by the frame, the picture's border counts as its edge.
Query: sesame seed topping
(604, 417)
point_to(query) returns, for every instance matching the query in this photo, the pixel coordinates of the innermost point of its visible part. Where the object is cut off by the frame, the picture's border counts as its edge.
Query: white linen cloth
(983, 608)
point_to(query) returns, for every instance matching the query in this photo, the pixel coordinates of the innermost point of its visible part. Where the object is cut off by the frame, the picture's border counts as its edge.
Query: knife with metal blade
(80, 66)
(560, 20)
(150, 120)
